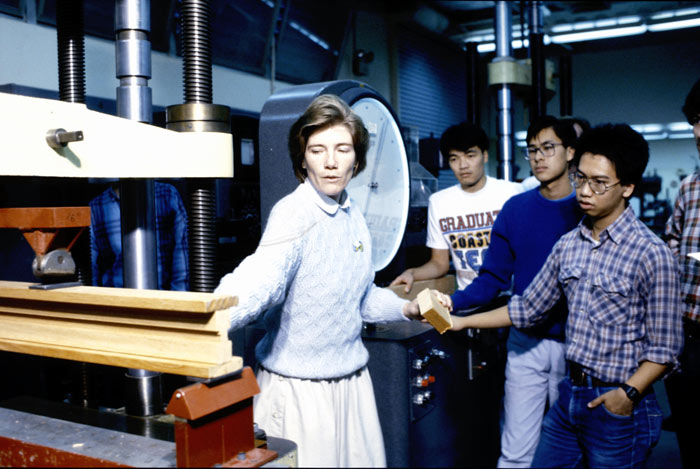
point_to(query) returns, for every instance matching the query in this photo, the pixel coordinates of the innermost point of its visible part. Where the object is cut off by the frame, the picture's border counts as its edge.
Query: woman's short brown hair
(325, 111)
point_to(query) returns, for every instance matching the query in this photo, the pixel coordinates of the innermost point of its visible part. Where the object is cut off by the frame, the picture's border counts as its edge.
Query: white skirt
(334, 423)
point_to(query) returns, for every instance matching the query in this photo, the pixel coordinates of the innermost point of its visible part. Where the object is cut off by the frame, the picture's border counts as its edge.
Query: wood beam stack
(182, 333)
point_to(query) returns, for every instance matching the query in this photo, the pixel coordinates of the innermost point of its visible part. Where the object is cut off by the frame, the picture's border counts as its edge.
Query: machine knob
(59, 138)
(422, 398)
(419, 364)
(423, 381)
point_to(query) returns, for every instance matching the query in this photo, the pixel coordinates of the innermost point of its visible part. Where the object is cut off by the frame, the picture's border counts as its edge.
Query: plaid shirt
(683, 237)
(171, 239)
(623, 296)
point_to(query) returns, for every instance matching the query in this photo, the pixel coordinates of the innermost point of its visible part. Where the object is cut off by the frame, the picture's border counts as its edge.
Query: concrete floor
(666, 453)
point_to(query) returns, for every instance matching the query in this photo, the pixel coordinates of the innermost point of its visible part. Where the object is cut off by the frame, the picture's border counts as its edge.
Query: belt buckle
(578, 377)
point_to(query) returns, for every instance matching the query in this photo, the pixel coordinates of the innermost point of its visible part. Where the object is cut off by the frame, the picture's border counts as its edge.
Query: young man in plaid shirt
(683, 237)
(623, 331)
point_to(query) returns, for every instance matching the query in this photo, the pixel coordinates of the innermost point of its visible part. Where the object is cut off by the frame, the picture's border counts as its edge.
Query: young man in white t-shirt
(460, 217)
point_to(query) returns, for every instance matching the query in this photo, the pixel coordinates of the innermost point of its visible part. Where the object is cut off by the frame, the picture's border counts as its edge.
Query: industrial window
(310, 40)
(432, 83)
(307, 34)
(10, 6)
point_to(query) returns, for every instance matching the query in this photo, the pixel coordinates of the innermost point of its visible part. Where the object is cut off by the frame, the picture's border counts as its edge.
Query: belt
(580, 378)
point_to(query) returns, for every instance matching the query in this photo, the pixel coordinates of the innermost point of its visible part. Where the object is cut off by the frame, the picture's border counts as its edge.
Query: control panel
(426, 362)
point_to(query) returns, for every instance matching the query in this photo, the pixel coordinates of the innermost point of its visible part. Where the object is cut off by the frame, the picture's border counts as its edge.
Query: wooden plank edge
(215, 323)
(177, 367)
(192, 302)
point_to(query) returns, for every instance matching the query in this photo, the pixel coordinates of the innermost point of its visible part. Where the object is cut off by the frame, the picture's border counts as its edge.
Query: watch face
(631, 392)
(382, 190)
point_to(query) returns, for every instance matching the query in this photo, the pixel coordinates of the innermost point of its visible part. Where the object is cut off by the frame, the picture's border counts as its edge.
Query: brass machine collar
(198, 117)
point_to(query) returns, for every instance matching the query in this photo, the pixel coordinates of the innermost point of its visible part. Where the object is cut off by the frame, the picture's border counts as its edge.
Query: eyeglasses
(598, 187)
(546, 149)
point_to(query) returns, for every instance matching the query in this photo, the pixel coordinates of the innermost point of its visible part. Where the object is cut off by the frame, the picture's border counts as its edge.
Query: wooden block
(432, 310)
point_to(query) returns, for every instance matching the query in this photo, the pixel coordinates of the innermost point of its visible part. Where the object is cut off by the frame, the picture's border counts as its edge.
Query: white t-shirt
(461, 222)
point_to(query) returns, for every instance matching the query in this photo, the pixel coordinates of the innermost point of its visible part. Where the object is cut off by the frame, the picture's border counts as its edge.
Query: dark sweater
(522, 237)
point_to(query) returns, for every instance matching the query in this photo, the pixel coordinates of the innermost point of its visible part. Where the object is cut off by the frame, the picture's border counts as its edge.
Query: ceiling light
(681, 135)
(661, 136)
(672, 130)
(598, 34)
(670, 25)
(598, 29)
(629, 20)
(679, 127)
(562, 28)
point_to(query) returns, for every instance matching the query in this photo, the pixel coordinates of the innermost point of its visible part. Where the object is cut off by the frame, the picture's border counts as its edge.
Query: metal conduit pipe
(538, 106)
(472, 83)
(132, 25)
(565, 85)
(503, 25)
(196, 115)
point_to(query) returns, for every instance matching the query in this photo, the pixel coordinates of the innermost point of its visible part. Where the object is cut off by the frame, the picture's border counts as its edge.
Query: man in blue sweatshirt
(522, 237)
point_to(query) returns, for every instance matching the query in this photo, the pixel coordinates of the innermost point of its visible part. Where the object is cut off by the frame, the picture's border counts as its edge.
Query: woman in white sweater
(312, 277)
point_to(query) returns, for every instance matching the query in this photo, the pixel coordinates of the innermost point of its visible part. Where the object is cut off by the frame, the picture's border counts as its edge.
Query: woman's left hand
(616, 401)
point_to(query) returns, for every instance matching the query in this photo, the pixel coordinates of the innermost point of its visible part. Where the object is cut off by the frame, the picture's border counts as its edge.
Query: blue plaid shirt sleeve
(171, 224)
(171, 239)
(661, 289)
(683, 238)
(540, 296)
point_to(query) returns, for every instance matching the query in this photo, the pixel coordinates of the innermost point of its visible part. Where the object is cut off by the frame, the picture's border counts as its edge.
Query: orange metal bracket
(47, 228)
(215, 424)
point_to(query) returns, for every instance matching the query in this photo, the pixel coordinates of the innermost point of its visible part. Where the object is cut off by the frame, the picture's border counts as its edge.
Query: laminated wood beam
(173, 332)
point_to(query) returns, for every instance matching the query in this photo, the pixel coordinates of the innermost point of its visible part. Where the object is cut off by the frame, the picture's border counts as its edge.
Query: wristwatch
(632, 393)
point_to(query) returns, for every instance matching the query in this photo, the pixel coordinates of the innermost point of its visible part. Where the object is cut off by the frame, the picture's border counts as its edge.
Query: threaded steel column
(71, 51)
(196, 51)
(199, 114)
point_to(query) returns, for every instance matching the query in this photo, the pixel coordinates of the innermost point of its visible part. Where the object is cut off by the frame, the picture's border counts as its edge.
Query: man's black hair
(623, 146)
(462, 137)
(563, 130)
(691, 107)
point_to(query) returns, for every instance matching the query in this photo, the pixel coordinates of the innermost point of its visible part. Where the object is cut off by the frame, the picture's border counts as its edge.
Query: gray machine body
(280, 111)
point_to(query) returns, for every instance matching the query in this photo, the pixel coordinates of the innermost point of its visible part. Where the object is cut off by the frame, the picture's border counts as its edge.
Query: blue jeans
(575, 436)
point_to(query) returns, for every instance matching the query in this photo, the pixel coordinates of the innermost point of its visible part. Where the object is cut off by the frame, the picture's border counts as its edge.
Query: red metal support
(215, 424)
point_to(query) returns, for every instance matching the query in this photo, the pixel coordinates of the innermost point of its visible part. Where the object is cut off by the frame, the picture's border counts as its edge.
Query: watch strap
(632, 393)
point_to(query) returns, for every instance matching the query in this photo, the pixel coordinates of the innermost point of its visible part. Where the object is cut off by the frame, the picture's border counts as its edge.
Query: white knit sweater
(312, 275)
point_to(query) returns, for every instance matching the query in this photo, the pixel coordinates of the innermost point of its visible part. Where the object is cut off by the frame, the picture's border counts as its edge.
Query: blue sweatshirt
(522, 237)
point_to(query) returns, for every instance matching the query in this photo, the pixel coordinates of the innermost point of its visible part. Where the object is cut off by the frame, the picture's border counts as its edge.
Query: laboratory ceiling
(301, 40)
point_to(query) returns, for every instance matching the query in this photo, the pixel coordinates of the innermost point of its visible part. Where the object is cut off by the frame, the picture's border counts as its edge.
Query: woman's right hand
(411, 309)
